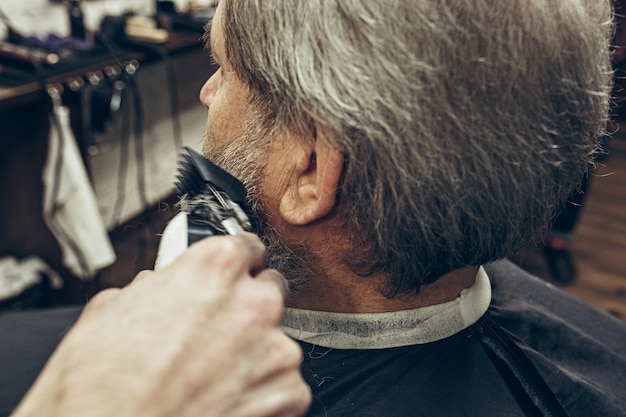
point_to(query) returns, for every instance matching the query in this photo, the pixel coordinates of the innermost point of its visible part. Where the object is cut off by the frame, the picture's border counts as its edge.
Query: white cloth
(17, 276)
(394, 329)
(69, 203)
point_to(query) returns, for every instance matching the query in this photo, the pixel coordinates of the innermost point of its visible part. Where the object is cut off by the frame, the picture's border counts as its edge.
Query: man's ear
(312, 191)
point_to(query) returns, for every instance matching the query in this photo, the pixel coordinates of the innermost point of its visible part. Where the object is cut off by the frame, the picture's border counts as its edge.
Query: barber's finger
(142, 274)
(243, 249)
(256, 248)
(222, 260)
(286, 395)
(101, 299)
(276, 278)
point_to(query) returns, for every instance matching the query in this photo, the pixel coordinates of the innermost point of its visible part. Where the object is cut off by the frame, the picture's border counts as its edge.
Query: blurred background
(103, 95)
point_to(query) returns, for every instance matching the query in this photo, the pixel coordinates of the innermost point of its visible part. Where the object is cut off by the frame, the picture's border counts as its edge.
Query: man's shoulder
(523, 302)
(577, 350)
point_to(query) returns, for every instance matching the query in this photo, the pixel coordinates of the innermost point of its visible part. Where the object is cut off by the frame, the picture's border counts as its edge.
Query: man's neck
(339, 290)
(336, 288)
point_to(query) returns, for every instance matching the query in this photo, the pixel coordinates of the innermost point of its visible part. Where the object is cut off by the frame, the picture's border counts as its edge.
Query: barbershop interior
(103, 126)
(98, 106)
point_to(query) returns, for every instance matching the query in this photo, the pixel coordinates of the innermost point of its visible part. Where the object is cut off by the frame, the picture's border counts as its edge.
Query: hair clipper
(213, 202)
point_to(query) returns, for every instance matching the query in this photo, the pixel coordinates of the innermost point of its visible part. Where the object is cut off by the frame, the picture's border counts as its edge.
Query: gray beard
(246, 158)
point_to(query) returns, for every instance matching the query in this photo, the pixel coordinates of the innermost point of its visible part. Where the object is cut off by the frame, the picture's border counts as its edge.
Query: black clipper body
(214, 200)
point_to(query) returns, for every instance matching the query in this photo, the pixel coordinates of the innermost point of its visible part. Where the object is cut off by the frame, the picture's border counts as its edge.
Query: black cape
(536, 352)
(27, 339)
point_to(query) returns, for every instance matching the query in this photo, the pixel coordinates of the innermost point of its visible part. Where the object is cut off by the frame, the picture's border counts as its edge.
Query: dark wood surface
(599, 244)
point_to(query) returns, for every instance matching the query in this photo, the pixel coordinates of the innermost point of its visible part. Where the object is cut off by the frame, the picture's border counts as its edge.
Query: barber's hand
(201, 337)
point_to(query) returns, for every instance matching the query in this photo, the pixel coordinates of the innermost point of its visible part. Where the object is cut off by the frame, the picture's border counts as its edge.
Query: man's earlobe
(312, 192)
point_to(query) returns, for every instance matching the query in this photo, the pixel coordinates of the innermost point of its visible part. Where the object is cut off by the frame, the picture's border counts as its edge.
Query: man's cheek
(214, 138)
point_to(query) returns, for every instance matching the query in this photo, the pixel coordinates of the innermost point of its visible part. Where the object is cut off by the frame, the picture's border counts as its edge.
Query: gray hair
(464, 123)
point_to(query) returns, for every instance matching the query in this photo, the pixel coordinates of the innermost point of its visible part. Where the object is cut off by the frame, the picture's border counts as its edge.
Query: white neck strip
(386, 330)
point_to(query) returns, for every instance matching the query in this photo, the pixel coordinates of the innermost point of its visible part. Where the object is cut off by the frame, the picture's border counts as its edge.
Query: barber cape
(511, 345)
(527, 349)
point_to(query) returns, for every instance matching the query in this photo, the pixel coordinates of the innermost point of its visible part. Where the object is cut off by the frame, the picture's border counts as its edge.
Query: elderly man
(392, 150)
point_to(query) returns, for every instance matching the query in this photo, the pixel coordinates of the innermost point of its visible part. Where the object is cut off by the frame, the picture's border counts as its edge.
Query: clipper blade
(195, 171)
(213, 199)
